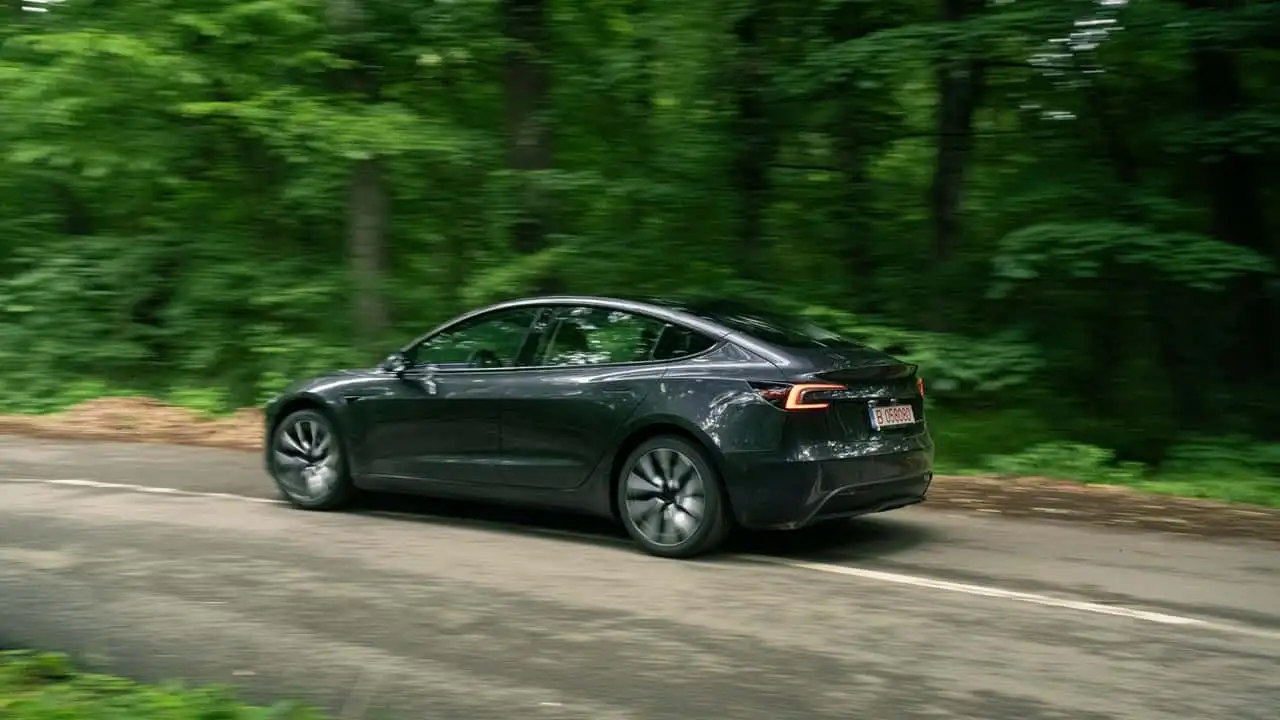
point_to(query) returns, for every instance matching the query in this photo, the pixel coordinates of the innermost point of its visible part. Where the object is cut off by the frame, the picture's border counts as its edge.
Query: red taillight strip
(920, 385)
(795, 397)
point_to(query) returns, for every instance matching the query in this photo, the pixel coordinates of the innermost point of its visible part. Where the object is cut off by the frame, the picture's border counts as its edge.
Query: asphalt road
(419, 610)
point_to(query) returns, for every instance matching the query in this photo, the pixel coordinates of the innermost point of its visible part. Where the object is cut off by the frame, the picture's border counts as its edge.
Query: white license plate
(892, 416)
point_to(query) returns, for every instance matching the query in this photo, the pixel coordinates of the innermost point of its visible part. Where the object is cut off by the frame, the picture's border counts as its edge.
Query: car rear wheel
(308, 464)
(670, 499)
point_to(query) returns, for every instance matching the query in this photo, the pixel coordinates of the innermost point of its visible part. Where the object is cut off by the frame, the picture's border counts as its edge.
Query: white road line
(129, 487)
(1017, 596)
(843, 570)
(980, 590)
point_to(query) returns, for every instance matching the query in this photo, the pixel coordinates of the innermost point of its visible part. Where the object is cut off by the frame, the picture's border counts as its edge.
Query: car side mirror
(396, 364)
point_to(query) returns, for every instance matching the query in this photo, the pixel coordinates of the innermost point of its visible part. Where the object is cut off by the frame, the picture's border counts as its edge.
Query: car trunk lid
(857, 365)
(882, 395)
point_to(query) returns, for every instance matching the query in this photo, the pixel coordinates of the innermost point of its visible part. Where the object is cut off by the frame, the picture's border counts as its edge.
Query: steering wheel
(484, 358)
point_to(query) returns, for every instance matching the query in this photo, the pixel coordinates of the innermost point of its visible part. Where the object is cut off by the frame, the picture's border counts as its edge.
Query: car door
(559, 419)
(442, 420)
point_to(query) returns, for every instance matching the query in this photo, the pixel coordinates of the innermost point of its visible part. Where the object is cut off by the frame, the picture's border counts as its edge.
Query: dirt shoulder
(149, 421)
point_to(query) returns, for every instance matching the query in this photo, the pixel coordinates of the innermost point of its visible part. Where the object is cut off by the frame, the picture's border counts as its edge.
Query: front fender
(287, 403)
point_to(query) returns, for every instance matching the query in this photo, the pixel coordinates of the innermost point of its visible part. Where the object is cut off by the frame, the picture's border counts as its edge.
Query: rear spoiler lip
(870, 372)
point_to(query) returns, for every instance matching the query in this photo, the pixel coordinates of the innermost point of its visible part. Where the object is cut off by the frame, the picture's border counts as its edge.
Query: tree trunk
(755, 143)
(961, 78)
(366, 236)
(851, 158)
(855, 138)
(367, 197)
(960, 84)
(526, 86)
(1232, 179)
(637, 126)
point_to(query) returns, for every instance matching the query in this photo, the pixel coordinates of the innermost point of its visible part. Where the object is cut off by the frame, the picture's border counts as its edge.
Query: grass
(1236, 489)
(45, 686)
(966, 440)
(1017, 443)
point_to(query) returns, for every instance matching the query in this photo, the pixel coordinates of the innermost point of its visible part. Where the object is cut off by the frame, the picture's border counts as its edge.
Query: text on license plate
(892, 416)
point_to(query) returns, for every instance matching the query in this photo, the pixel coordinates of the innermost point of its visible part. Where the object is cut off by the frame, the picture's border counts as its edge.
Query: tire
(656, 508)
(308, 439)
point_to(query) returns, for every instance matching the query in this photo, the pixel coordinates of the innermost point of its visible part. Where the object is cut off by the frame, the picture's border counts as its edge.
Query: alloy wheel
(665, 497)
(306, 459)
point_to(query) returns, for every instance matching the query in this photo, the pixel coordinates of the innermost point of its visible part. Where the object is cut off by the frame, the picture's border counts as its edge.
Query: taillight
(920, 385)
(802, 396)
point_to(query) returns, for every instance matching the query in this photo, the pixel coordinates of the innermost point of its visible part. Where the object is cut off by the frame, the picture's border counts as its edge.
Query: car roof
(693, 313)
(686, 305)
(670, 310)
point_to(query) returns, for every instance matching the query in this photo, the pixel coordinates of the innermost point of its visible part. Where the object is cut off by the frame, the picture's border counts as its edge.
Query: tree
(1062, 210)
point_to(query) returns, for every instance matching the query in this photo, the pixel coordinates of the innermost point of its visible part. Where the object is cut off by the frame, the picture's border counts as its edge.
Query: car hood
(318, 382)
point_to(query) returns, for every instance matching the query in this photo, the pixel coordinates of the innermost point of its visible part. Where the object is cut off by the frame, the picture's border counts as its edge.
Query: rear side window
(595, 336)
(676, 342)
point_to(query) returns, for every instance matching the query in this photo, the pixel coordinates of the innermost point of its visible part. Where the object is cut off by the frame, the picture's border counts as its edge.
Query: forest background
(1064, 210)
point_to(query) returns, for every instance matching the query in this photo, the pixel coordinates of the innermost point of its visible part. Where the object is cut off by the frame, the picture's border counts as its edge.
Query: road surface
(174, 562)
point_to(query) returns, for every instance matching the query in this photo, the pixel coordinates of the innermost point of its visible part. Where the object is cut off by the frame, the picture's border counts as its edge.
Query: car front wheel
(670, 499)
(308, 464)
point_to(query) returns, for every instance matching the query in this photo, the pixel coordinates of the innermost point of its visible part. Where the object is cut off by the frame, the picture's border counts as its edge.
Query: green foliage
(1229, 455)
(1080, 251)
(1067, 460)
(39, 686)
(957, 367)
(1233, 469)
(966, 438)
(179, 215)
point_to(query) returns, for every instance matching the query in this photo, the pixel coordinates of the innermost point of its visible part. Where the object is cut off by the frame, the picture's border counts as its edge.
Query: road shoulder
(134, 420)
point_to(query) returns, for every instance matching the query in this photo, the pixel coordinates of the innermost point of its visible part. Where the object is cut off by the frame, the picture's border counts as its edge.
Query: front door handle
(426, 378)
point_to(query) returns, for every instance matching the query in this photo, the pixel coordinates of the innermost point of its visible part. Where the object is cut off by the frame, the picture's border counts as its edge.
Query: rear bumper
(767, 493)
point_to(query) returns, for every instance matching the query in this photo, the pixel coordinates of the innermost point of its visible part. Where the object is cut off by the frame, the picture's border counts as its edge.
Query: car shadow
(506, 519)
(864, 538)
(870, 537)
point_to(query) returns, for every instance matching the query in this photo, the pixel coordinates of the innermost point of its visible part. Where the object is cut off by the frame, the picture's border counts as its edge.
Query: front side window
(593, 336)
(493, 340)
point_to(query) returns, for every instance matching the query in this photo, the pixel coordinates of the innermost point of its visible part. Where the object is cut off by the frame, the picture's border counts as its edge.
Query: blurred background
(1064, 210)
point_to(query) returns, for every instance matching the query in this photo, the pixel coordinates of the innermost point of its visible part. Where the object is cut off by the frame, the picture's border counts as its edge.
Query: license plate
(892, 416)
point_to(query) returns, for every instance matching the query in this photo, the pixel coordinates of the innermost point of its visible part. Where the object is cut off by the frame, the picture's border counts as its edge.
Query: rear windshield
(771, 326)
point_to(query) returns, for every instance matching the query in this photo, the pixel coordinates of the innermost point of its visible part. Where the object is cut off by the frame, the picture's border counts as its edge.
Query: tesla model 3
(681, 420)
